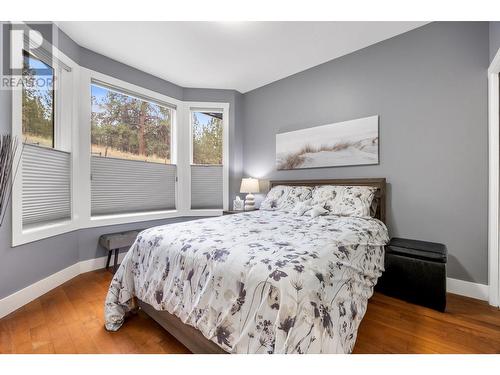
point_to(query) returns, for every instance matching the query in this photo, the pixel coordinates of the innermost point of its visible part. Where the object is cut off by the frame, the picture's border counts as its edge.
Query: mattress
(256, 282)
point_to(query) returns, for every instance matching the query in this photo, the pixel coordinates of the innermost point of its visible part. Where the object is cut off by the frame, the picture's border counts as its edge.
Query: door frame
(493, 181)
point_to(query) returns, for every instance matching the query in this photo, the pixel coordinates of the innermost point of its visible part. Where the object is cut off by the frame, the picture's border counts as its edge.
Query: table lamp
(249, 186)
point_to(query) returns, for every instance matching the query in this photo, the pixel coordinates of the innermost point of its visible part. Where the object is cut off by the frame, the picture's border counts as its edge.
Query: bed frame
(193, 339)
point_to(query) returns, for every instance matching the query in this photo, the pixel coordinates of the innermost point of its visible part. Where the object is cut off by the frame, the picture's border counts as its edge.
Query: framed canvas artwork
(353, 142)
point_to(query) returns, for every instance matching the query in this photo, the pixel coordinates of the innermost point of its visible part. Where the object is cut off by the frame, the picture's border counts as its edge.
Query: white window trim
(19, 235)
(493, 183)
(89, 221)
(218, 108)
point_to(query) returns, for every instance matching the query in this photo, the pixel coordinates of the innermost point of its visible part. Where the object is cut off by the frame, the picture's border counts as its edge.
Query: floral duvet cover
(256, 282)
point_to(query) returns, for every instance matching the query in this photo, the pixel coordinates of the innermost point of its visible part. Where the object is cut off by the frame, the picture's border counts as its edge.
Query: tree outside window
(207, 138)
(37, 102)
(130, 128)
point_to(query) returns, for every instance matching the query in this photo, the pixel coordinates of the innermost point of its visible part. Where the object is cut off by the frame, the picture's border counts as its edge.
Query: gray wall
(23, 265)
(494, 39)
(429, 87)
(113, 68)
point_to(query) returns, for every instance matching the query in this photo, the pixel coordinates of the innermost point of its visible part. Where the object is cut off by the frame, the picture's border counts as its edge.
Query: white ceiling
(228, 55)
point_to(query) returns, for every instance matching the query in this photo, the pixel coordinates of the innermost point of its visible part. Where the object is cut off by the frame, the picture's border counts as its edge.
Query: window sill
(102, 220)
(46, 230)
(204, 212)
(126, 218)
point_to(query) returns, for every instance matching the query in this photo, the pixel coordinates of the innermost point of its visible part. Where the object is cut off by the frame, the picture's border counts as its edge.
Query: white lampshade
(249, 185)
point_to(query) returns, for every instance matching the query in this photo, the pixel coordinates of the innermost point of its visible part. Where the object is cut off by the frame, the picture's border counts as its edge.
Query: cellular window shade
(206, 186)
(46, 185)
(128, 186)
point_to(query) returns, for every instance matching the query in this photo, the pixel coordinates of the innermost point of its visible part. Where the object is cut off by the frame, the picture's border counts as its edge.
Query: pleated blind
(46, 176)
(127, 186)
(206, 186)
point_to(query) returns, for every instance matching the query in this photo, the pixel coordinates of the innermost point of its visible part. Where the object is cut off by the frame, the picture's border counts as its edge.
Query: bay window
(101, 151)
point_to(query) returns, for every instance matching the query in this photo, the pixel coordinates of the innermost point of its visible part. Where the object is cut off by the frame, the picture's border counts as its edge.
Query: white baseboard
(97, 263)
(467, 289)
(24, 296)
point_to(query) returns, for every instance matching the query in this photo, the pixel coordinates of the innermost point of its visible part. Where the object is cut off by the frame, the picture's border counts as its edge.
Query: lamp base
(249, 202)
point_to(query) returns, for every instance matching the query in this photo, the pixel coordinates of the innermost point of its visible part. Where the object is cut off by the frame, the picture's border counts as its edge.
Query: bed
(257, 282)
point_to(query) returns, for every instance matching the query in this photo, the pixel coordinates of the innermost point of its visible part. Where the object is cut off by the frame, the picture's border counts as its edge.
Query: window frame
(215, 108)
(65, 111)
(89, 77)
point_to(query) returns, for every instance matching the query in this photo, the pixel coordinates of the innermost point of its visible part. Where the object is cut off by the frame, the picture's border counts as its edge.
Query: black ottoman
(415, 271)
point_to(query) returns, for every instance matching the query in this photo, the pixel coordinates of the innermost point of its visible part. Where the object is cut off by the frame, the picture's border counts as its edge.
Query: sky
(36, 64)
(38, 67)
(202, 118)
(41, 84)
(99, 93)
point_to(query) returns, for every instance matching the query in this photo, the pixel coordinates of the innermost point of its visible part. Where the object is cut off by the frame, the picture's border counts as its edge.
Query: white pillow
(284, 198)
(302, 207)
(353, 201)
(274, 196)
(345, 200)
(324, 193)
(316, 211)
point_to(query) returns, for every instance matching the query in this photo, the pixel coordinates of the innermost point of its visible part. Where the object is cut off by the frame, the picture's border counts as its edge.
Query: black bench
(115, 242)
(415, 271)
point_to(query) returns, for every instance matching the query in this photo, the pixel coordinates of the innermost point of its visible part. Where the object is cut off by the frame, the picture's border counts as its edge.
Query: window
(207, 137)
(131, 143)
(126, 127)
(207, 159)
(43, 119)
(38, 102)
(46, 189)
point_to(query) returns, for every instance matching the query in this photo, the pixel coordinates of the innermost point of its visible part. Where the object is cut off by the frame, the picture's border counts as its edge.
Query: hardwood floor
(394, 326)
(69, 319)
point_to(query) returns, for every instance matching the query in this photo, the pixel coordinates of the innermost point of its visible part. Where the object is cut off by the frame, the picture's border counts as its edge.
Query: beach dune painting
(353, 142)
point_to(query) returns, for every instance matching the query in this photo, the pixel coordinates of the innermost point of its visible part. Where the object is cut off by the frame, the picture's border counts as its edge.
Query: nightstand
(232, 212)
(415, 271)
